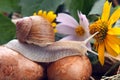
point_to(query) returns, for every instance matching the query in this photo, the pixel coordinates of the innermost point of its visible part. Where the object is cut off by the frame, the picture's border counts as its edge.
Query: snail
(41, 46)
(39, 35)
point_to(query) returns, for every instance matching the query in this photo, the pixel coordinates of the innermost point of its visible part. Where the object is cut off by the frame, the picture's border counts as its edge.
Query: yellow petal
(115, 16)
(110, 50)
(34, 14)
(106, 11)
(96, 44)
(113, 38)
(55, 31)
(51, 16)
(54, 24)
(113, 46)
(101, 53)
(40, 12)
(114, 31)
(44, 14)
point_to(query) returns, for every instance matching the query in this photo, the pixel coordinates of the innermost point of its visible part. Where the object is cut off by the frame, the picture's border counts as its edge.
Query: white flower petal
(84, 23)
(65, 29)
(83, 20)
(70, 38)
(67, 20)
(75, 38)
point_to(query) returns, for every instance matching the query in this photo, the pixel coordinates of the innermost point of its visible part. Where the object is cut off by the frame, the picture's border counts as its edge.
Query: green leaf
(9, 6)
(92, 18)
(7, 29)
(31, 6)
(97, 8)
(82, 5)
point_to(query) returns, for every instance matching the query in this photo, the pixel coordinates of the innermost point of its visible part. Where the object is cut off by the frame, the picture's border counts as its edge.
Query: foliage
(9, 6)
(7, 29)
(79, 5)
(28, 7)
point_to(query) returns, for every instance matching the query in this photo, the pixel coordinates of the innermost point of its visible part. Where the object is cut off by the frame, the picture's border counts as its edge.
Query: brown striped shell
(35, 30)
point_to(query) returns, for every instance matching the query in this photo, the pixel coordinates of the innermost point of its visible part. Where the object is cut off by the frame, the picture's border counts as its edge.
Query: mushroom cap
(14, 66)
(70, 68)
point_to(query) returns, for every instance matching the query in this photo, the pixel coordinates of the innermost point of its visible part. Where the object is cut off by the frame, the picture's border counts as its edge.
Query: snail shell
(35, 30)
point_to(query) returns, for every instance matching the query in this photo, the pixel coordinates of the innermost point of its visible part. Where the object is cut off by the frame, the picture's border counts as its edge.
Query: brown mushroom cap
(70, 68)
(14, 66)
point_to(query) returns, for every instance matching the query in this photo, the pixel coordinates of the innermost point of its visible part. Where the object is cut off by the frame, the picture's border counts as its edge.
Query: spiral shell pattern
(35, 30)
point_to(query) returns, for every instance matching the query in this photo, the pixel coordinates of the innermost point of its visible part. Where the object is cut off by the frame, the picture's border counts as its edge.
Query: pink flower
(69, 26)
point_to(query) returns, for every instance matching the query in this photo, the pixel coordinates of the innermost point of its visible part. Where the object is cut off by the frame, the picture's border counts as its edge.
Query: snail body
(50, 52)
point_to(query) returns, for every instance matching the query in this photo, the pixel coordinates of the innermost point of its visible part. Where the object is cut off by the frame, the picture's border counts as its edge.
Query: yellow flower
(50, 16)
(108, 37)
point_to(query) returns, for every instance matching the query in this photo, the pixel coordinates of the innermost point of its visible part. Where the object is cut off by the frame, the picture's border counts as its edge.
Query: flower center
(79, 31)
(101, 27)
